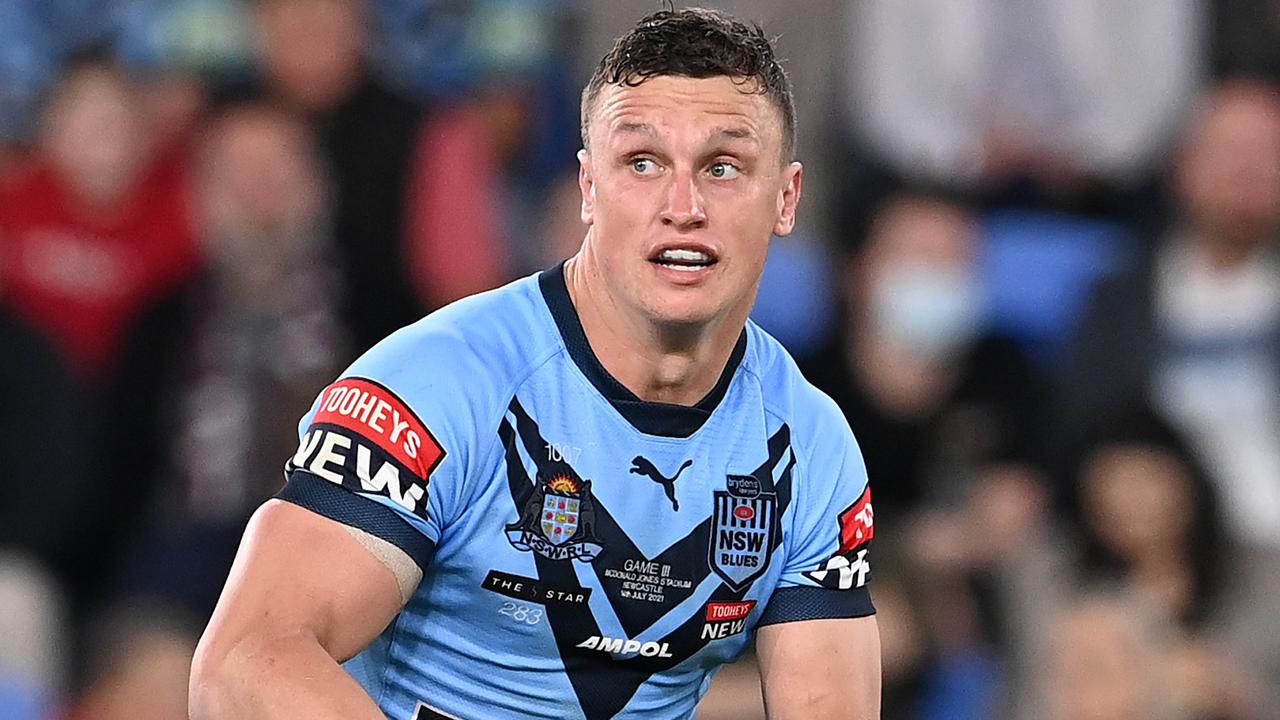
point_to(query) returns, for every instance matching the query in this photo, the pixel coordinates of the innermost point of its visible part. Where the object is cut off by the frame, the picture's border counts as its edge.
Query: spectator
(97, 227)
(404, 248)
(95, 238)
(1148, 524)
(991, 95)
(938, 405)
(1106, 662)
(311, 55)
(262, 336)
(928, 393)
(1150, 517)
(1197, 330)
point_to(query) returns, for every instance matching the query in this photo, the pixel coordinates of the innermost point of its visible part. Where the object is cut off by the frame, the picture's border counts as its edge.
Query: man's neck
(678, 365)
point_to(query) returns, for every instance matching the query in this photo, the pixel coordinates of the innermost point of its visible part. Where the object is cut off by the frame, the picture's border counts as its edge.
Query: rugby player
(579, 495)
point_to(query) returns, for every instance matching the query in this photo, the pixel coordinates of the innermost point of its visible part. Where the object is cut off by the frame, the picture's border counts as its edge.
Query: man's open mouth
(684, 259)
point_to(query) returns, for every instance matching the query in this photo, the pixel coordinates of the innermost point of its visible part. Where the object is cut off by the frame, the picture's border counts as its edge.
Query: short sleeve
(827, 566)
(397, 445)
(366, 459)
(384, 448)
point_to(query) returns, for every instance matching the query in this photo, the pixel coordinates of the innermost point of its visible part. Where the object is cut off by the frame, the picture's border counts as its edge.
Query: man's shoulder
(809, 411)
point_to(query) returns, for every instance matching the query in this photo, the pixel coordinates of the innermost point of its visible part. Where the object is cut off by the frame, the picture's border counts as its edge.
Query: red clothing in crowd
(83, 277)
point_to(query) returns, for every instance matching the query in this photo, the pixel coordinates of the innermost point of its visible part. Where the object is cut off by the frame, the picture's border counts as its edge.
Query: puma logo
(641, 466)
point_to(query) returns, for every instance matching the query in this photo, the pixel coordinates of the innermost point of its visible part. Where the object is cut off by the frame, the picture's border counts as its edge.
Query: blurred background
(1036, 265)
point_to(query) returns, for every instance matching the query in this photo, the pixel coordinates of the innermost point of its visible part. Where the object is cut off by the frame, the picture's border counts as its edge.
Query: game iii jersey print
(585, 554)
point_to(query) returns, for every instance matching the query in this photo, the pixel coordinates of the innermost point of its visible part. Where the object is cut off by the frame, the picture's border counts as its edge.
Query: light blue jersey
(585, 554)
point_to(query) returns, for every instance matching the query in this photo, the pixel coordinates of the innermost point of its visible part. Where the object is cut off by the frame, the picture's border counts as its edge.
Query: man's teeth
(680, 256)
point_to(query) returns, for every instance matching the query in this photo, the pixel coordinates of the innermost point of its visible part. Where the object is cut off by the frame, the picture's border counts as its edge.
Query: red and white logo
(729, 610)
(367, 408)
(848, 567)
(366, 439)
(725, 619)
(857, 523)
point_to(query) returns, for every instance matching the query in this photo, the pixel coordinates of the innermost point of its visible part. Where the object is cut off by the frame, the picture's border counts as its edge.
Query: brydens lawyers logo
(848, 567)
(365, 438)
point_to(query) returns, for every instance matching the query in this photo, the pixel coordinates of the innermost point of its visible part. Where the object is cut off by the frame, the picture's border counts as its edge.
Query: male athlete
(579, 495)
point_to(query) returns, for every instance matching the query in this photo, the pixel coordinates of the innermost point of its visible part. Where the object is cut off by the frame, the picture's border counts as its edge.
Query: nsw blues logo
(558, 521)
(742, 534)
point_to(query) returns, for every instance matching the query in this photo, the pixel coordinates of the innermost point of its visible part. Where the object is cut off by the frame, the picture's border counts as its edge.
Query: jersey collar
(653, 418)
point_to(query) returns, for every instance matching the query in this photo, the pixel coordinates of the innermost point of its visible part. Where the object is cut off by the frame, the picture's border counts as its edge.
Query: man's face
(1230, 170)
(311, 49)
(94, 133)
(682, 187)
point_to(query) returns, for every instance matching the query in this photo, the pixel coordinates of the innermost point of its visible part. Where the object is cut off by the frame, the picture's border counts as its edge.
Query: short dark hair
(696, 43)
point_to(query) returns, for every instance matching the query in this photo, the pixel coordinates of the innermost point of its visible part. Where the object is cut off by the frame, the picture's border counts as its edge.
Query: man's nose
(684, 208)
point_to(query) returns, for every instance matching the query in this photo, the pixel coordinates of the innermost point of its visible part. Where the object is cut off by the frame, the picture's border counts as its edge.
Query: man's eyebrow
(731, 132)
(736, 133)
(631, 127)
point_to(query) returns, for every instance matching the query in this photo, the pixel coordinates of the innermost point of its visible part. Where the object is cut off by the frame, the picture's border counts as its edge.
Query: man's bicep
(821, 668)
(299, 573)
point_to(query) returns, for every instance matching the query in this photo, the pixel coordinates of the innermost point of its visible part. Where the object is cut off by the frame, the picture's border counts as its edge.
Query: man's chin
(685, 316)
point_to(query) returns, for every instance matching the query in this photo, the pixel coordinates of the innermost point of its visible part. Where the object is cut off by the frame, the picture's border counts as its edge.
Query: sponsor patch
(534, 590)
(742, 534)
(726, 619)
(729, 610)
(843, 572)
(857, 523)
(849, 568)
(365, 439)
(376, 414)
(626, 646)
(743, 486)
(558, 521)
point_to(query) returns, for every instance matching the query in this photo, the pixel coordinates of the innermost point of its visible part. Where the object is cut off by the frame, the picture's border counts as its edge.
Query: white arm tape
(407, 572)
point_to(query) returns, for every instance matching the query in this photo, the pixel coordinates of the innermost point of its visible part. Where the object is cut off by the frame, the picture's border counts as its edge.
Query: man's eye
(643, 166)
(724, 171)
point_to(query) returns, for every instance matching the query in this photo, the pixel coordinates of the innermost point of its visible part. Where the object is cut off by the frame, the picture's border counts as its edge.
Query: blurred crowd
(1036, 266)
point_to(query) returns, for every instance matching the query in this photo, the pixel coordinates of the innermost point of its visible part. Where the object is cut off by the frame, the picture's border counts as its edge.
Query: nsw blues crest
(560, 515)
(742, 532)
(558, 521)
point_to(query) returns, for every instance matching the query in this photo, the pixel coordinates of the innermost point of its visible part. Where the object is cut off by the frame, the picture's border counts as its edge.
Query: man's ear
(788, 199)
(587, 185)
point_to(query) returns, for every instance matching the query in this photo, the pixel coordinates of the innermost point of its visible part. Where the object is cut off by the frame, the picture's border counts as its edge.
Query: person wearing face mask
(933, 394)
(945, 412)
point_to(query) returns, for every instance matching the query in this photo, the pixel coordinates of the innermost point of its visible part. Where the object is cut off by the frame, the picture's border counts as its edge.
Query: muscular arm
(304, 594)
(821, 669)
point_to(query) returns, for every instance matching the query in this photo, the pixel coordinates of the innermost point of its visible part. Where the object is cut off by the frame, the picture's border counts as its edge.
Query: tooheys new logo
(848, 568)
(365, 438)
